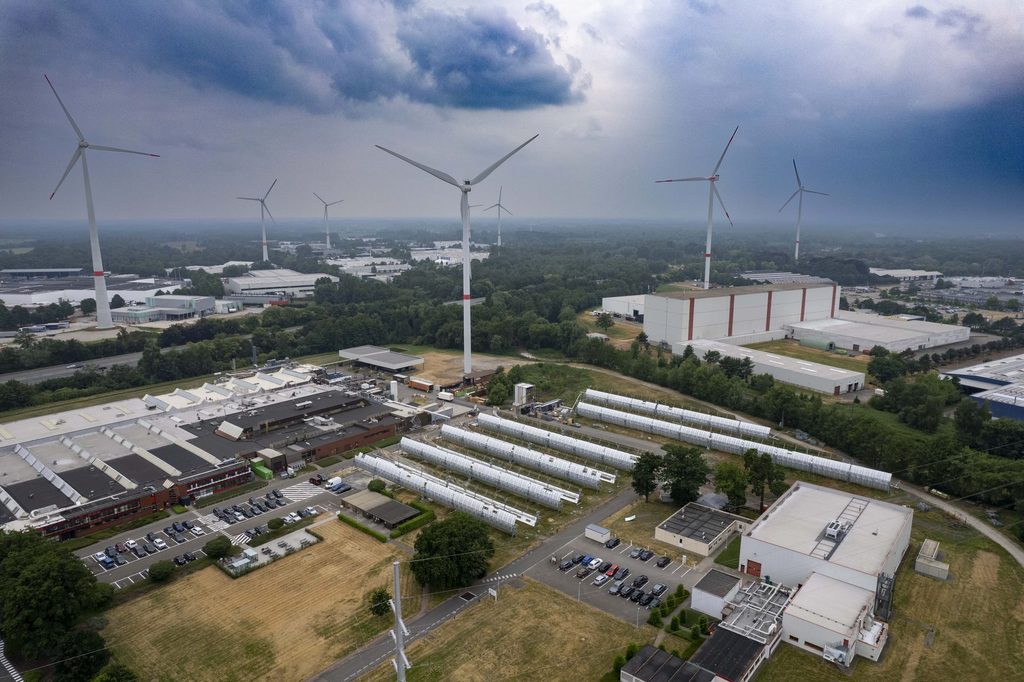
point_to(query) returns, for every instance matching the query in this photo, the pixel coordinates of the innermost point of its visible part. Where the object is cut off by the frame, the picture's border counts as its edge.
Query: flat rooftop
(13, 469)
(139, 470)
(254, 418)
(717, 583)
(99, 446)
(728, 654)
(797, 520)
(697, 522)
(91, 483)
(740, 291)
(1009, 370)
(654, 665)
(36, 494)
(860, 330)
(56, 456)
(181, 459)
(761, 357)
(380, 357)
(829, 603)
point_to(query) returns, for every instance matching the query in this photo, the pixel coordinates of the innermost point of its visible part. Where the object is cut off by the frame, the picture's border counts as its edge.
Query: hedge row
(412, 524)
(358, 526)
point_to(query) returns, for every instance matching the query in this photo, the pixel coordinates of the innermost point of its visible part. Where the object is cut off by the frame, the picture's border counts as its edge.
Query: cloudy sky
(910, 113)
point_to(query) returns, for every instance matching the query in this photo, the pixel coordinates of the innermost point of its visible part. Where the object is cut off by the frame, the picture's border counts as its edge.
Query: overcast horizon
(909, 114)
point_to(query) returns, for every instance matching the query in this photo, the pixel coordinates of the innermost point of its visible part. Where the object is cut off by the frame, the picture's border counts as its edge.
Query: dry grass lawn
(793, 349)
(445, 367)
(978, 619)
(640, 531)
(530, 633)
(283, 622)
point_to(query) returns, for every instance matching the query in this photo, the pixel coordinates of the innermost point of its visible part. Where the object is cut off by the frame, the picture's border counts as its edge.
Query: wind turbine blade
(681, 180)
(249, 198)
(78, 131)
(320, 198)
(74, 159)
(502, 208)
(493, 206)
(722, 204)
(499, 194)
(811, 191)
(789, 200)
(264, 207)
(118, 149)
(490, 169)
(440, 175)
(798, 183)
(268, 191)
(722, 157)
(335, 202)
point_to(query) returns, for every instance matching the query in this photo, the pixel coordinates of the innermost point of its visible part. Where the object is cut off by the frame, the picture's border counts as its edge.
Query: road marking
(240, 539)
(683, 575)
(678, 567)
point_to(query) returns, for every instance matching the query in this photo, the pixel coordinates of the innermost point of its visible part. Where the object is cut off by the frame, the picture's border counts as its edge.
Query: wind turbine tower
(712, 195)
(801, 190)
(263, 211)
(500, 208)
(99, 278)
(327, 225)
(466, 186)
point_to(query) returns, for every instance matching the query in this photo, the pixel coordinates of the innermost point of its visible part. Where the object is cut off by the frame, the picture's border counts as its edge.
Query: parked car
(150, 549)
(168, 531)
(130, 544)
(654, 603)
(138, 552)
(281, 502)
(640, 581)
(188, 524)
(239, 517)
(613, 543)
(637, 595)
(120, 547)
(658, 589)
(99, 556)
(179, 526)
(151, 536)
(586, 559)
(189, 556)
(614, 589)
(601, 580)
(256, 511)
(237, 508)
(646, 554)
(646, 599)
(179, 560)
(603, 568)
(179, 538)
(251, 532)
(594, 563)
(612, 570)
(566, 565)
(107, 562)
(626, 590)
(583, 572)
(277, 494)
(635, 553)
(622, 573)
(110, 552)
(312, 511)
(160, 544)
(120, 560)
(197, 531)
(246, 512)
(663, 561)
(577, 558)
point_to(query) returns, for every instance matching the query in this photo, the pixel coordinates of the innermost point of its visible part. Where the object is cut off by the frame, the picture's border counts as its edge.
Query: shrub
(358, 526)
(161, 571)
(680, 591)
(620, 661)
(218, 548)
(674, 626)
(631, 650)
(414, 523)
(179, 508)
(376, 485)
(702, 623)
(654, 619)
(378, 600)
(275, 523)
(695, 632)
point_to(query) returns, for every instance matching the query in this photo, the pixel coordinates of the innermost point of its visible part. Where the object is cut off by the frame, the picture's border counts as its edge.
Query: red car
(611, 571)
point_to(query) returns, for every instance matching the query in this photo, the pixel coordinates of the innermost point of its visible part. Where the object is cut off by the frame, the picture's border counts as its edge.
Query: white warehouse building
(751, 311)
(626, 306)
(278, 281)
(811, 529)
(803, 373)
(860, 332)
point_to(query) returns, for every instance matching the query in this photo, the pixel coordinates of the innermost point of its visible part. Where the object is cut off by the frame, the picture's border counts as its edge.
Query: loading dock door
(754, 568)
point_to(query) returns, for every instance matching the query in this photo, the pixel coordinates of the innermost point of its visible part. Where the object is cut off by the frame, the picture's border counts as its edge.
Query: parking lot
(566, 580)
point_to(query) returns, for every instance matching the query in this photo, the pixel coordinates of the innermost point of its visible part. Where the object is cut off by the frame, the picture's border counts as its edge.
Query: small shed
(929, 561)
(712, 592)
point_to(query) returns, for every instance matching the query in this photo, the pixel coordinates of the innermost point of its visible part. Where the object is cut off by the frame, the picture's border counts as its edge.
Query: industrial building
(381, 358)
(651, 664)
(905, 275)
(43, 290)
(751, 311)
(930, 561)
(803, 373)
(165, 307)
(811, 529)
(783, 278)
(699, 530)
(281, 282)
(860, 332)
(999, 384)
(713, 591)
(379, 508)
(631, 307)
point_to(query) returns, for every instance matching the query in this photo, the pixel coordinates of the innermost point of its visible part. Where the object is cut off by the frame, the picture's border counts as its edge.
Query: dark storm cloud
(483, 60)
(318, 57)
(966, 24)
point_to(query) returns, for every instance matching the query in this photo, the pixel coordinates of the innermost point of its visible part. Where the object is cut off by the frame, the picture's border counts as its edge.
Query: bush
(654, 619)
(275, 523)
(680, 592)
(631, 650)
(620, 661)
(80, 655)
(115, 672)
(218, 548)
(674, 626)
(702, 623)
(414, 523)
(358, 526)
(376, 485)
(378, 601)
(695, 632)
(161, 571)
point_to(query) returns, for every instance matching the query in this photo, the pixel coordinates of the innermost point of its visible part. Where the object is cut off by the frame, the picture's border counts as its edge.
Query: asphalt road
(40, 374)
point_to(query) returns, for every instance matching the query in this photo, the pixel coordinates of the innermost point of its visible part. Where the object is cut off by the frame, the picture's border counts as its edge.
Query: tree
(605, 321)
(378, 598)
(117, 302)
(763, 473)
(685, 471)
(80, 655)
(970, 419)
(88, 306)
(116, 672)
(218, 548)
(275, 523)
(161, 571)
(644, 341)
(731, 479)
(452, 553)
(645, 474)
(376, 485)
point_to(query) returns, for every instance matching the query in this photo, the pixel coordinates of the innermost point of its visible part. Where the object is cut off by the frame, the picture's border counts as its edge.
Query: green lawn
(793, 349)
(730, 556)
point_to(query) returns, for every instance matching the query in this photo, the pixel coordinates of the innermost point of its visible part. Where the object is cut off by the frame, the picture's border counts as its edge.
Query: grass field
(730, 556)
(640, 531)
(530, 633)
(620, 331)
(286, 621)
(793, 349)
(977, 617)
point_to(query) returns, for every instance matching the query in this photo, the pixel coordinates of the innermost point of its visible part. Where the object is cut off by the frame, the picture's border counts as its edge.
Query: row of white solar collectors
(494, 476)
(556, 441)
(830, 468)
(453, 496)
(525, 457)
(707, 421)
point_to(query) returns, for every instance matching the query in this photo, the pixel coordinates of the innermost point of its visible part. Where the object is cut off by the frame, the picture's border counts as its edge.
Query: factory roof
(780, 361)
(727, 654)
(829, 603)
(1008, 370)
(1012, 394)
(902, 272)
(91, 483)
(380, 357)
(138, 469)
(797, 520)
(394, 512)
(698, 522)
(364, 500)
(185, 461)
(784, 278)
(115, 283)
(873, 327)
(740, 291)
(651, 664)
(717, 583)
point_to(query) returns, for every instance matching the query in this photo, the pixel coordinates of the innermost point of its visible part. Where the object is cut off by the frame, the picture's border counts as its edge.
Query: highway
(40, 374)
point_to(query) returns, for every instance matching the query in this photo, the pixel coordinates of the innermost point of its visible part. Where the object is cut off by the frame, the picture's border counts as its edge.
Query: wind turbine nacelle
(714, 178)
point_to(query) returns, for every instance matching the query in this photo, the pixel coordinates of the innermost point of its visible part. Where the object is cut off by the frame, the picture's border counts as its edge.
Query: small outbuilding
(929, 561)
(711, 592)
(698, 529)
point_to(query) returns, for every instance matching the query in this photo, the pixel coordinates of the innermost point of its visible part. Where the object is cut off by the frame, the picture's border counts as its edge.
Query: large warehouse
(814, 529)
(860, 332)
(803, 373)
(997, 383)
(686, 315)
(278, 281)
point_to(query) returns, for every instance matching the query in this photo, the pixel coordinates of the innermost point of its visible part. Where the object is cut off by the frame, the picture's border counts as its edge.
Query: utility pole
(400, 632)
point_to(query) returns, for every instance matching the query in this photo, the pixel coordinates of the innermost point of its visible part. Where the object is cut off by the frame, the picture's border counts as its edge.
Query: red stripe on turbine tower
(465, 297)
(98, 273)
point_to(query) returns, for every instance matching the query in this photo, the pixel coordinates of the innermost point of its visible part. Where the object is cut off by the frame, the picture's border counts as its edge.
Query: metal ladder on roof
(826, 546)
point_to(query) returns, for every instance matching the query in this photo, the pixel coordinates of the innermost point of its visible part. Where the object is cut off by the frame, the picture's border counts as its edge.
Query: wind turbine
(466, 186)
(500, 208)
(99, 278)
(800, 189)
(327, 226)
(263, 225)
(712, 194)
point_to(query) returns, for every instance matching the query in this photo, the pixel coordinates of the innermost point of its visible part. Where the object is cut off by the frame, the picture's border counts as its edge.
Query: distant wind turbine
(327, 226)
(800, 189)
(99, 278)
(263, 224)
(712, 195)
(500, 208)
(465, 187)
